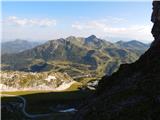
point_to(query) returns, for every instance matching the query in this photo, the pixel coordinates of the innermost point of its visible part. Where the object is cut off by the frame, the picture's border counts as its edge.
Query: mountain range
(16, 46)
(76, 56)
(130, 93)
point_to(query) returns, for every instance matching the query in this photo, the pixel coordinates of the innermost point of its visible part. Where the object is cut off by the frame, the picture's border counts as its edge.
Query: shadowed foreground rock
(132, 93)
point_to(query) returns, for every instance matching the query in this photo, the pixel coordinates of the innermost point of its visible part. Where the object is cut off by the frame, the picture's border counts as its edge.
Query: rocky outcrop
(156, 20)
(34, 81)
(133, 92)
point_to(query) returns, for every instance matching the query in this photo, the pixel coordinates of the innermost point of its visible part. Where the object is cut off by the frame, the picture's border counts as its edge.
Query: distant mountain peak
(17, 45)
(120, 41)
(130, 41)
(133, 44)
(71, 37)
(92, 37)
(17, 40)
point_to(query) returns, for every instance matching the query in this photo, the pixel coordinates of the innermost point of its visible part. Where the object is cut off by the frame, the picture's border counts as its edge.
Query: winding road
(24, 108)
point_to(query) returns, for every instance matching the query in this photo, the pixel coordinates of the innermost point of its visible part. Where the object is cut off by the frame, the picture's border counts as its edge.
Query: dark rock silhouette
(156, 20)
(133, 92)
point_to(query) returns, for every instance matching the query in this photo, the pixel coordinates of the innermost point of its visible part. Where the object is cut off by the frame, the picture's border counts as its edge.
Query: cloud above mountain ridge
(104, 28)
(13, 20)
(20, 27)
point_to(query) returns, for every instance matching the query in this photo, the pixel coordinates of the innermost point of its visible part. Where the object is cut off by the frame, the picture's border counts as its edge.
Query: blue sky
(51, 20)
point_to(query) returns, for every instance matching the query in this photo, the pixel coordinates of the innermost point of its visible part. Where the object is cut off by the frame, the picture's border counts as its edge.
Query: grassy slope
(40, 102)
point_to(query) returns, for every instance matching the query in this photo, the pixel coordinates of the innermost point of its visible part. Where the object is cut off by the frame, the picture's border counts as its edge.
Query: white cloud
(13, 20)
(103, 28)
(89, 25)
(16, 27)
(113, 20)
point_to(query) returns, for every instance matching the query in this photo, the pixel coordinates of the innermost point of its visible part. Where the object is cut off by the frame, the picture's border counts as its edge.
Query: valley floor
(40, 105)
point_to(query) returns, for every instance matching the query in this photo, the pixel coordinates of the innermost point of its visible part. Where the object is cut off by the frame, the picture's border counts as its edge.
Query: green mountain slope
(134, 45)
(76, 56)
(17, 46)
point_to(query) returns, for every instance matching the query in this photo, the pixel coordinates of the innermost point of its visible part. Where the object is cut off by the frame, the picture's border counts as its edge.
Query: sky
(47, 20)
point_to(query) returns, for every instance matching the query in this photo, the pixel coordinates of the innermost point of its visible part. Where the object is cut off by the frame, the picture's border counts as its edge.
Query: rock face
(133, 92)
(156, 20)
(34, 81)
